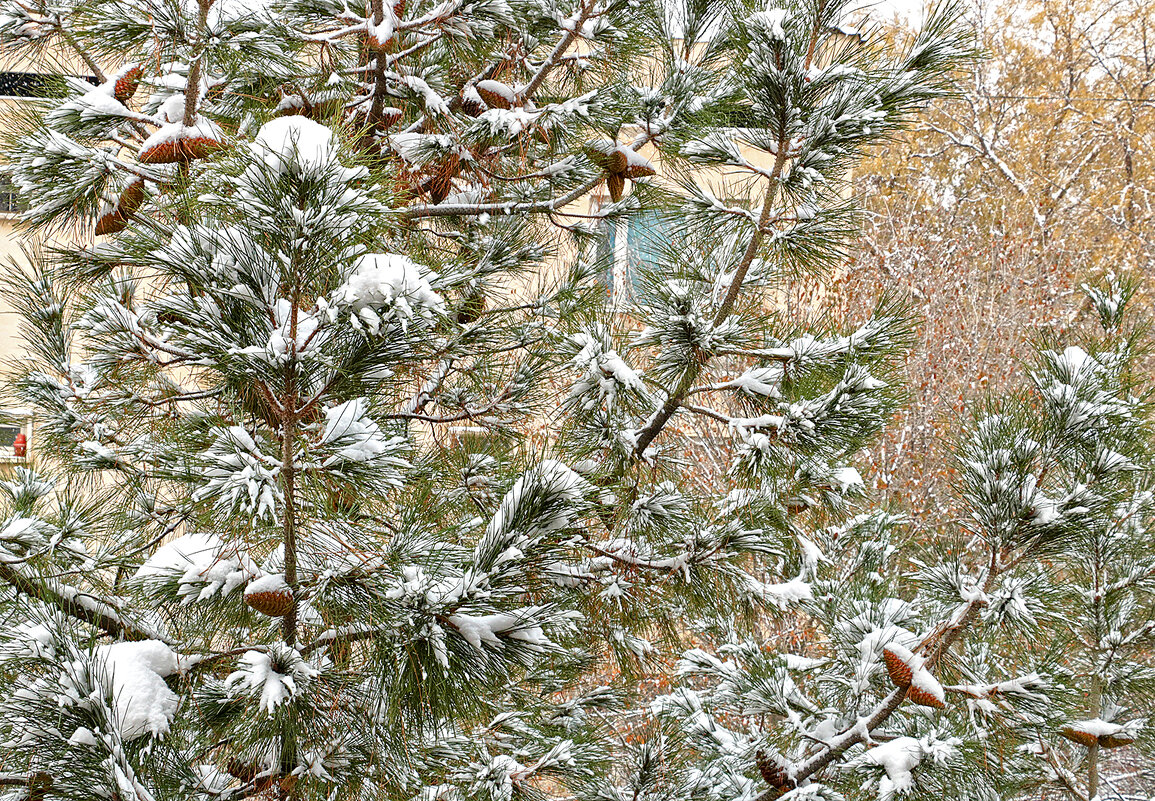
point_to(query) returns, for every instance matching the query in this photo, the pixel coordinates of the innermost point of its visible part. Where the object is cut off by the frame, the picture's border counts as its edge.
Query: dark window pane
(8, 436)
(35, 84)
(9, 197)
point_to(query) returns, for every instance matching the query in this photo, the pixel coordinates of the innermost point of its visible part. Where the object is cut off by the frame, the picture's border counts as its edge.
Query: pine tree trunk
(289, 421)
(379, 74)
(193, 83)
(289, 476)
(1096, 694)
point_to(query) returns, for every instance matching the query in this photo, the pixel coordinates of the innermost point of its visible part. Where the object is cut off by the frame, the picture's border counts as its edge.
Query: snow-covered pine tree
(1001, 663)
(1089, 609)
(260, 560)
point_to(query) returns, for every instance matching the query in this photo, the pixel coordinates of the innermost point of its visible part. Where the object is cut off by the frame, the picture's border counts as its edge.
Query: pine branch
(705, 411)
(380, 71)
(289, 421)
(951, 630)
(498, 209)
(1065, 777)
(95, 612)
(57, 22)
(421, 399)
(567, 39)
(80, 51)
(658, 421)
(180, 397)
(812, 47)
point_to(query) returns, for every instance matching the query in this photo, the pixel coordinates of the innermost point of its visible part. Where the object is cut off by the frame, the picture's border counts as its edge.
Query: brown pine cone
(616, 184)
(125, 86)
(773, 773)
(897, 668)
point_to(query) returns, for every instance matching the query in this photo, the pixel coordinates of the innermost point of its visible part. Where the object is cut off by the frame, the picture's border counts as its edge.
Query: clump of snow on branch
(135, 672)
(386, 287)
(240, 474)
(353, 437)
(899, 758)
(201, 564)
(603, 371)
(271, 677)
(294, 142)
(478, 629)
(546, 498)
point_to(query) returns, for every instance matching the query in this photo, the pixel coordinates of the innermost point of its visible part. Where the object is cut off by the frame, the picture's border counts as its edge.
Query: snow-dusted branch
(499, 209)
(76, 604)
(585, 8)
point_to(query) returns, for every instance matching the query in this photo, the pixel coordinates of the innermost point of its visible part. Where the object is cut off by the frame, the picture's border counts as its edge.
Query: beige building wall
(9, 321)
(11, 349)
(13, 419)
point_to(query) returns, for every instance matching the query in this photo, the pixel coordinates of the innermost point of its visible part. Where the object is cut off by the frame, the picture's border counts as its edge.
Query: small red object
(20, 446)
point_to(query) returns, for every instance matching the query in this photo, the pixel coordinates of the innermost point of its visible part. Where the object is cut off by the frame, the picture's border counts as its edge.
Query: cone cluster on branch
(906, 671)
(1096, 732)
(619, 162)
(116, 217)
